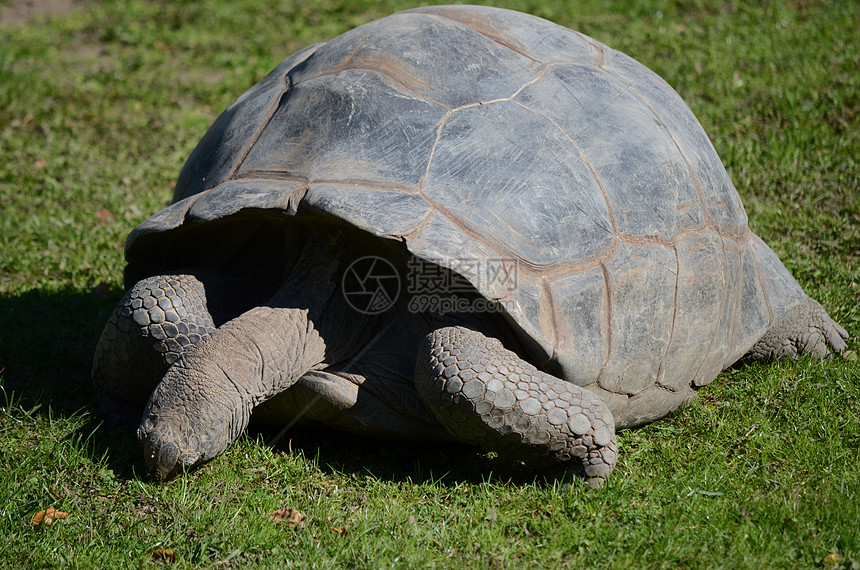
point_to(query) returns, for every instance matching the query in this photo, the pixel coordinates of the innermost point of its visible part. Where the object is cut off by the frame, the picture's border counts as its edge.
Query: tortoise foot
(487, 396)
(150, 329)
(804, 329)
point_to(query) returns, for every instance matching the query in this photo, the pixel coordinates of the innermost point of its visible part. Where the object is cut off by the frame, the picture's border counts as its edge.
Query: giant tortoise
(452, 224)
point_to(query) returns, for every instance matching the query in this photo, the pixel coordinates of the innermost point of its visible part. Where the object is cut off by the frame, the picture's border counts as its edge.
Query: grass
(100, 105)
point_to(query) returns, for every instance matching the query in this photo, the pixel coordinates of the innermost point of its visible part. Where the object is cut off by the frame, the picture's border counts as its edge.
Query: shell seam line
(593, 45)
(674, 319)
(587, 164)
(469, 106)
(739, 291)
(420, 227)
(423, 178)
(269, 175)
(578, 268)
(659, 119)
(266, 176)
(607, 351)
(479, 32)
(658, 240)
(546, 68)
(379, 71)
(546, 293)
(273, 108)
(764, 293)
(721, 316)
(529, 267)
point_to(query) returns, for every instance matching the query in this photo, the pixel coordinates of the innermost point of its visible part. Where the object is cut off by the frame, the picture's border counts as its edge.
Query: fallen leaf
(340, 530)
(831, 560)
(293, 517)
(167, 555)
(47, 517)
(104, 215)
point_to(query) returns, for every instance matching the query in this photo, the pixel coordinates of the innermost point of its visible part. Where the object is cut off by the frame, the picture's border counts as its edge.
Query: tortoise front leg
(487, 396)
(154, 323)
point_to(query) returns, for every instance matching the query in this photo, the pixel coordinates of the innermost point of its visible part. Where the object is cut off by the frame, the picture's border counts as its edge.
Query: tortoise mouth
(162, 458)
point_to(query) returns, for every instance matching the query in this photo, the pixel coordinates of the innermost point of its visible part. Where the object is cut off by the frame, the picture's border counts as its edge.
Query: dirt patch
(22, 11)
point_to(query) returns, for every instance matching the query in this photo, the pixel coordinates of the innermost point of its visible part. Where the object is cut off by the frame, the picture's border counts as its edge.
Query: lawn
(100, 104)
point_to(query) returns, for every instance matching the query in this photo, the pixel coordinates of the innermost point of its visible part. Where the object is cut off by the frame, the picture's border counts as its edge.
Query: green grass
(100, 106)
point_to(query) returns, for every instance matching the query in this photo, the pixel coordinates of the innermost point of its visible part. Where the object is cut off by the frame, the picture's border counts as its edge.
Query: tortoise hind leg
(806, 328)
(487, 396)
(149, 330)
(776, 308)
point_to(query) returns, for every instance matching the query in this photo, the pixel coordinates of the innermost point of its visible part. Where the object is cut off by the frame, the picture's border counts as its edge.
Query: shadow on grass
(450, 463)
(46, 349)
(46, 346)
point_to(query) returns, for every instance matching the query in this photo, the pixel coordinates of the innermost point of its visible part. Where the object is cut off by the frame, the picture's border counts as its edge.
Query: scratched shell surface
(480, 136)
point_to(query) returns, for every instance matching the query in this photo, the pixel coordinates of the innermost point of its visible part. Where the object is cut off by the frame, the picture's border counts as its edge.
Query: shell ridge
(162, 221)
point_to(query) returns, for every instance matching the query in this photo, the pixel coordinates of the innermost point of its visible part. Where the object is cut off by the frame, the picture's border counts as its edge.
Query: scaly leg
(150, 329)
(806, 328)
(487, 396)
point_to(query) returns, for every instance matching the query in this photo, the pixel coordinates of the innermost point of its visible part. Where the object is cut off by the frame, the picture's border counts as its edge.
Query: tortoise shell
(483, 138)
